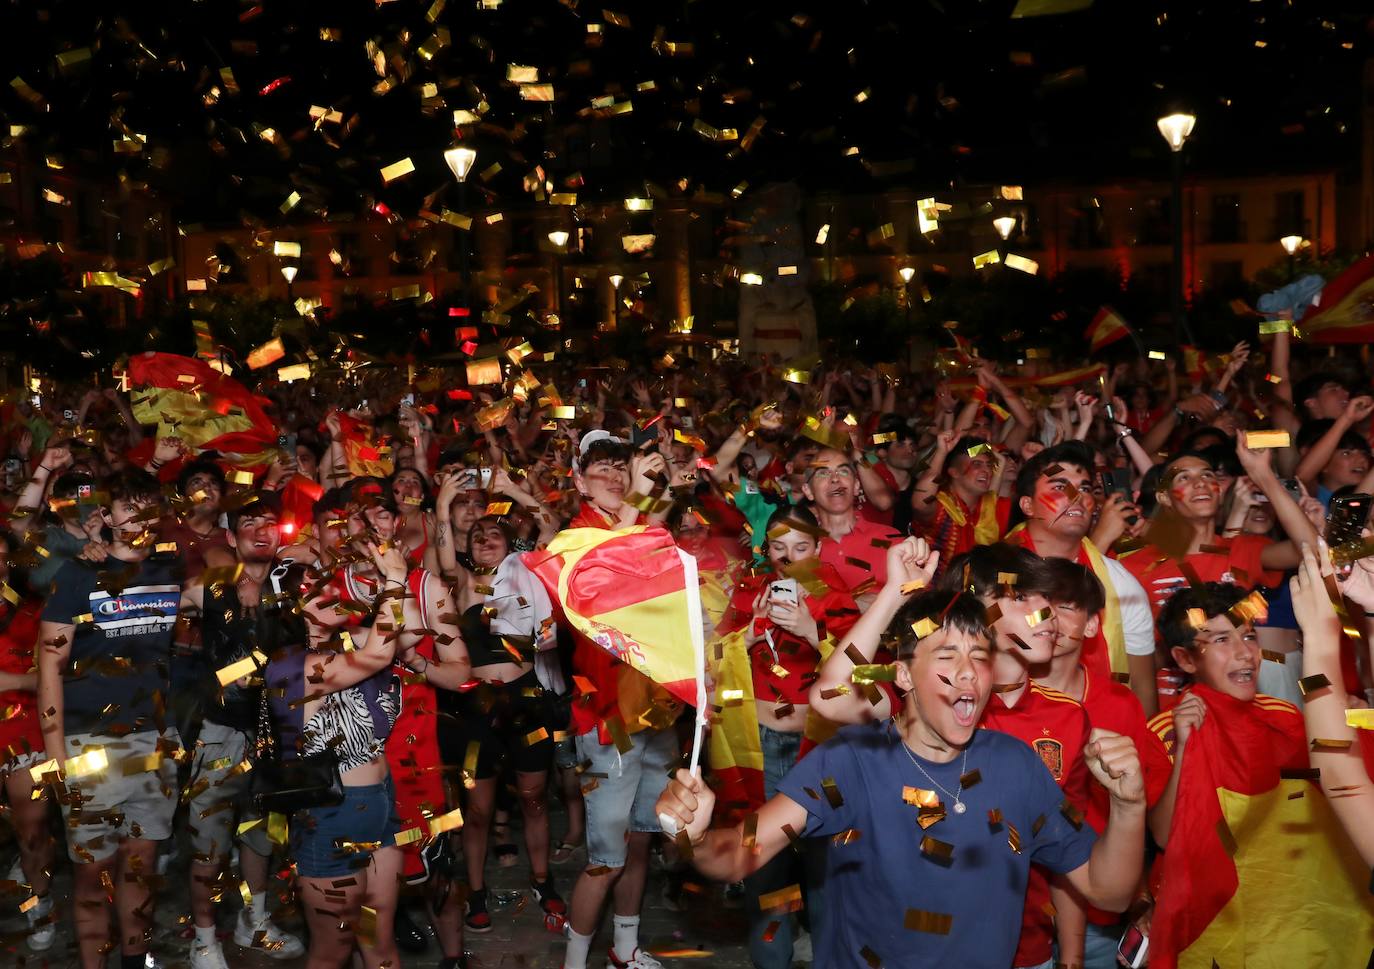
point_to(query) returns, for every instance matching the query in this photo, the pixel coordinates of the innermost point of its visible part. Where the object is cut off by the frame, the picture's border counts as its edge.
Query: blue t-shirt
(881, 880)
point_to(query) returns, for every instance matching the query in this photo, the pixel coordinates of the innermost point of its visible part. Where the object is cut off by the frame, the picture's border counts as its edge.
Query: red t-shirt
(860, 558)
(1056, 727)
(948, 537)
(1235, 560)
(867, 509)
(835, 613)
(20, 731)
(1112, 706)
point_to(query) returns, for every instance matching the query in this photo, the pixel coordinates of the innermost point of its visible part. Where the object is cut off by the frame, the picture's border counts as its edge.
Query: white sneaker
(274, 942)
(42, 931)
(638, 960)
(208, 957)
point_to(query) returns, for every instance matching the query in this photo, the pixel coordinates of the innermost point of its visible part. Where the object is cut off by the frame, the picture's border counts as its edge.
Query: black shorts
(512, 726)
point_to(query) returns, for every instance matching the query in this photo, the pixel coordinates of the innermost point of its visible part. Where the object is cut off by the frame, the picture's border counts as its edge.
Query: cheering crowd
(1050, 667)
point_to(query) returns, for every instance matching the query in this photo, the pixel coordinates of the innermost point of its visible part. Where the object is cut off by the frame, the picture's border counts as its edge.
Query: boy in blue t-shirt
(934, 823)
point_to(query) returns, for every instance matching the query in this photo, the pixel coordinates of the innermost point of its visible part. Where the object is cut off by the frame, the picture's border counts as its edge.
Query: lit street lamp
(906, 272)
(558, 239)
(289, 273)
(616, 279)
(1291, 245)
(460, 160)
(1005, 225)
(1176, 128)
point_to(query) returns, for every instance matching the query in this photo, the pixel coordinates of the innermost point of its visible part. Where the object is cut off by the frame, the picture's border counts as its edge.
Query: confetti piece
(1310, 684)
(1263, 440)
(918, 920)
(1362, 719)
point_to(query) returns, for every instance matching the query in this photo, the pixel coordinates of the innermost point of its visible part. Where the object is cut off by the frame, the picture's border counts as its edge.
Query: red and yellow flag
(628, 592)
(1346, 313)
(1106, 328)
(365, 458)
(187, 398)
(1257, 871)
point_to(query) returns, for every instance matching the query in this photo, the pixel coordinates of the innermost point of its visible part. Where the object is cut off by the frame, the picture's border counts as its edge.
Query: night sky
(853, 95)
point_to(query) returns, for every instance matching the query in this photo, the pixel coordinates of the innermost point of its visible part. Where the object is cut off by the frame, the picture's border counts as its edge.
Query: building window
(1290, 214)
(1226, 274)
(1226, 224)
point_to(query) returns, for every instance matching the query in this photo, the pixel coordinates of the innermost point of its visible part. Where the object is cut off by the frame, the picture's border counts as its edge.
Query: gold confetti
(1363, 719)
(397, 170)
(918, 920)
(1262, 440)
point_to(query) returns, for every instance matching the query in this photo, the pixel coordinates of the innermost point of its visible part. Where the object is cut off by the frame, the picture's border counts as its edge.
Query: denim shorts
(328, 842)
(626, 791)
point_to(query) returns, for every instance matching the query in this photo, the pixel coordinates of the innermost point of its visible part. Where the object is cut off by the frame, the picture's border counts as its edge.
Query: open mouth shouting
(965, 709)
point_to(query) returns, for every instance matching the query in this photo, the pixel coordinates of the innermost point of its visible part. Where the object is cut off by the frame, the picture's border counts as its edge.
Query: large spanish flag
(1346, 313)
(633, 593)
(365, 459)
(1257, 872)
(209, 411)
(1105, 329)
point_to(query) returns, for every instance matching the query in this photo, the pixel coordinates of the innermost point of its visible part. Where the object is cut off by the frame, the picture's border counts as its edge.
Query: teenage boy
(895, 443)
(1054, 493)
(247, 611)
(1013, 586)
(104, 648)
(1078, 599)
(620, 808)
(1236, 794)
(939, 820)
(857, 546)
(966, 511)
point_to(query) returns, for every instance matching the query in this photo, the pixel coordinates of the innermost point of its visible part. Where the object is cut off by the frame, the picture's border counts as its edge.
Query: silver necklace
(959, 806)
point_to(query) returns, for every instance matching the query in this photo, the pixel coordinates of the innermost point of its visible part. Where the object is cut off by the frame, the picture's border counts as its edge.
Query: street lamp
(289, 273)
(1005, 226)
(1176, 128)
(906, 272)
(1291, 245)
(460, 160)
(616, 279)
(558, 239)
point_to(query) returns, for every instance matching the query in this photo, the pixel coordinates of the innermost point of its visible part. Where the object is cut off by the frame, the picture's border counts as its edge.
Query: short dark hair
(1197, 439)
(1076, 454)
(604, 450)
(261, 503)
(1075, 585)
(960, 450)
(332, 501)
(1202, 456)
(1212, 598)
(199, 466)
(133, 486)
(1311, 385)
(949, 610)
(978, 571)
(69, 483)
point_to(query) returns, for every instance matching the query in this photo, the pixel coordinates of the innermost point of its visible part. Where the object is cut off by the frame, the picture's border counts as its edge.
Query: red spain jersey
(1282, 715)
(1055, 726)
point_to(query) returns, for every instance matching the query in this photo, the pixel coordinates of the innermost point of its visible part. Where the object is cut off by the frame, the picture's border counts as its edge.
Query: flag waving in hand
(1106, 327)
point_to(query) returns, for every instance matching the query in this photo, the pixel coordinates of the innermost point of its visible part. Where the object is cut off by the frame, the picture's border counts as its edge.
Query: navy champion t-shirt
(117, 678)
(957, 903)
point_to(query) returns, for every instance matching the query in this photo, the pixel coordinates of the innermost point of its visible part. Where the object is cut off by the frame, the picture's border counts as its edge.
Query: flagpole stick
(693, 589)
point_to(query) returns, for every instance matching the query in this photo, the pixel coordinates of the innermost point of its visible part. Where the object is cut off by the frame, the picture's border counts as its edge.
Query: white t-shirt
(1137, 622)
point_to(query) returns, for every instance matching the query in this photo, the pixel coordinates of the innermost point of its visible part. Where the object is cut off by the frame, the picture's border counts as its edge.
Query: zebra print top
(345, 715)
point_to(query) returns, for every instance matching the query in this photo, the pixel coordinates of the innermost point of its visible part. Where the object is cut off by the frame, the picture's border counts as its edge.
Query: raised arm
(1111, 874)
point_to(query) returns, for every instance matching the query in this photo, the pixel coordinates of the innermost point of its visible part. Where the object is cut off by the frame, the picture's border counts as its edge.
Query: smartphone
(639, 438)
(408, 400)
(1116, 481)
(287, 442)
(1346, 517)
(69, 416)
(783, 590)
(1294, 489)
(1134, 949)
(484, 478)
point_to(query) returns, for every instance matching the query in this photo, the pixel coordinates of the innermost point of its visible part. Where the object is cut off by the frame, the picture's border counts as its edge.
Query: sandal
(563, 852)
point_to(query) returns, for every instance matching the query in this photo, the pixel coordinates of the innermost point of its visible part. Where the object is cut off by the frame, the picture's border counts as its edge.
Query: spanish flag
(1346, 313)
(1106, 328)
(1257, 872)
(365, 458)
(632, 592)
(188, 399)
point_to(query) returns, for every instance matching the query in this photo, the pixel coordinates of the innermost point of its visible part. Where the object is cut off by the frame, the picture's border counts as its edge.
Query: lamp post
(460, 160)
(616, 279)
(1291, 245)
(289, 273)
(1176, 128)
(558, 239)
(1005, 225)
(906, 272)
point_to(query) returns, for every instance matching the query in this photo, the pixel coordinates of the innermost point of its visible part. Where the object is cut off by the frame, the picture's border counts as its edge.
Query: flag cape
(365, 459)
(1346, 313)
(190, 400)
(628, 591)
(1257, 871)
(1063, 378)
(1106, 328)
